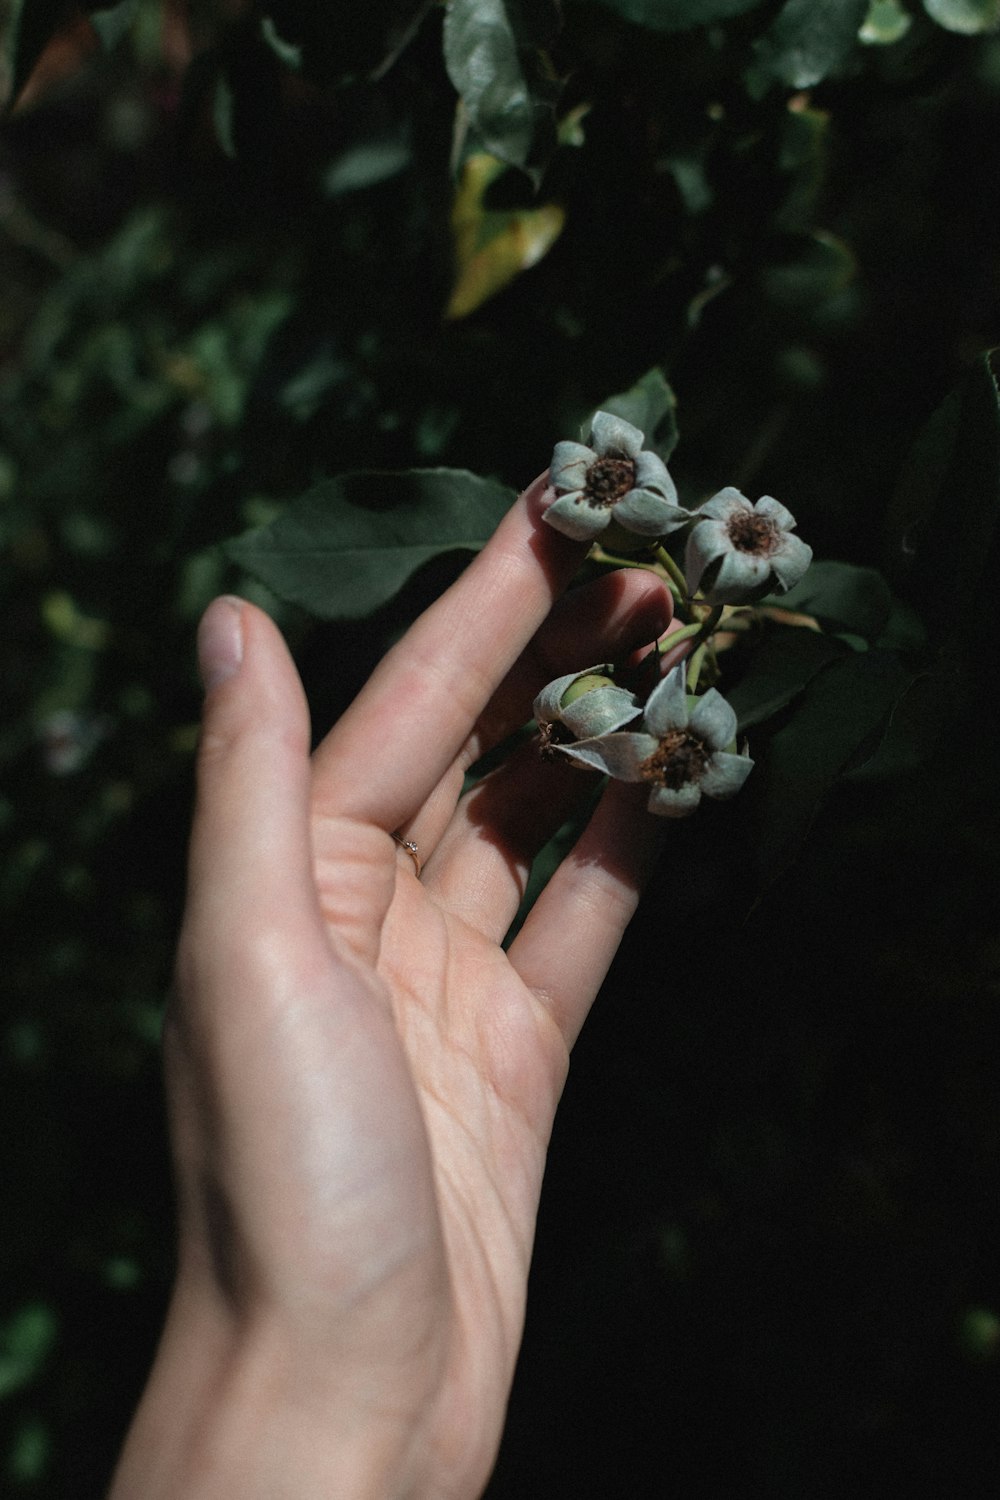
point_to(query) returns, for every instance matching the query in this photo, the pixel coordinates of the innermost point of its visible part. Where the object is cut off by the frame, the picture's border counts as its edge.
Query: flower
(585, 704)
(737, 551)
(614, 480)
(683, 755)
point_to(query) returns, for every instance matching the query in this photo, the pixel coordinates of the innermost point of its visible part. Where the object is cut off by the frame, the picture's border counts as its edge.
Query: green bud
(585, 684)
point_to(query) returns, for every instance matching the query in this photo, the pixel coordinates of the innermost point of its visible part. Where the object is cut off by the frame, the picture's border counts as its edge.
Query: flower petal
(674, 802)
(666, 708)
(790, 560)
(651, 474)
(708, 540)
(713, 720)
(570, 462)
(775, 511)
(722, 505)
(618, 755)
(740, 575)
(576, 517)
(547, 708)
(646, 513)
(613, 435)
(725, 774)
(601, 711)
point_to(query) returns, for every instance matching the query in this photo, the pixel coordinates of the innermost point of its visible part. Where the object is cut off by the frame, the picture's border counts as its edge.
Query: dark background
(767, 1259)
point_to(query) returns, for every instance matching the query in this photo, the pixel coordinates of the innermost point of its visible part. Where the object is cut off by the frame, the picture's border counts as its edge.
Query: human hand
(362, 1082)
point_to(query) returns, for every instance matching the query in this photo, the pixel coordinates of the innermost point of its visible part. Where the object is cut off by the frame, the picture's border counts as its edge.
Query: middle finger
(604, 619)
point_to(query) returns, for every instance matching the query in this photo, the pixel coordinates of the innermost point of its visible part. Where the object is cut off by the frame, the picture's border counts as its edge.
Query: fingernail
(220, 641)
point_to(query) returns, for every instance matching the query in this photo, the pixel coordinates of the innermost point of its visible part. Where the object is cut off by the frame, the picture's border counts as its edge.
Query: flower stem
(673, 572)
(695, 661)
(677, 637)
(613, 560)
(697, 658)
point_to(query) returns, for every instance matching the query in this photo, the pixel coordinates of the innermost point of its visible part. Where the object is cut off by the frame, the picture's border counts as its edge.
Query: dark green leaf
(348, 545)
(944, 516)
(821, 267)
(843, 596)
(804, 147)
(112, 21)
(366, 164)
(918, 720)
(491, 53)
(288, 52)
(25, 1341)
(340, 43)
(651, 406)
(808, 40)
(781, 667)
(28, 28)
(846, 707)
(679, 15)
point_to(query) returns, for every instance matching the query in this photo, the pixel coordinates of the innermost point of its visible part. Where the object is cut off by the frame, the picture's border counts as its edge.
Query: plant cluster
(736, 552)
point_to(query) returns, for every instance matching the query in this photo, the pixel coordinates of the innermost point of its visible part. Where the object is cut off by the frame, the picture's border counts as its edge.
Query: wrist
(235, 1407)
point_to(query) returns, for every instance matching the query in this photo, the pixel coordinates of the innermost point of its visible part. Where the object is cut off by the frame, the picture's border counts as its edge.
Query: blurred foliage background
(245, 246)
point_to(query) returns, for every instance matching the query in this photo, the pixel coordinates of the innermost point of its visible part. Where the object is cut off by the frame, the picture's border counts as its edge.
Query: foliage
(254, 257)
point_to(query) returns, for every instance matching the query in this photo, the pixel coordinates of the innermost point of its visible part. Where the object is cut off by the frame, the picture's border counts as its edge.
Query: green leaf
(843, 596)
(493, 246)
(944, 515)
(919, 719)
(821, 268)
(843, 712)
(679, 15)
(288, 52)
(491, 53)
(780, 669)
(965, 16)
(649, 405)
(366, 164)
(803, 157)
(886, 22)
(347, 546)
(808, 40)
(112, 21)
(25, 1342)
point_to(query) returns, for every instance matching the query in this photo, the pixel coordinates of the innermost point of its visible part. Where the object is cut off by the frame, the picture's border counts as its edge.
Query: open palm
(362, 1080)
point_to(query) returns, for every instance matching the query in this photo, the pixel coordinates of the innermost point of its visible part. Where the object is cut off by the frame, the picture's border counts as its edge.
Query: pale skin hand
(362, 1082)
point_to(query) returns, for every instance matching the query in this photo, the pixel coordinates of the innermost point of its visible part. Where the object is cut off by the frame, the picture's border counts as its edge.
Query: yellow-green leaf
(493, 246)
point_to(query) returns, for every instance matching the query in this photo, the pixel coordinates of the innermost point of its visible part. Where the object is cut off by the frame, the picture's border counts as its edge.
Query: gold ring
(411, 850)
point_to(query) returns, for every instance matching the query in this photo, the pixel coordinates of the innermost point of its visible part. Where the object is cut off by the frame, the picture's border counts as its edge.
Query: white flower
(615, 479)
(737, 551)
(684, 756)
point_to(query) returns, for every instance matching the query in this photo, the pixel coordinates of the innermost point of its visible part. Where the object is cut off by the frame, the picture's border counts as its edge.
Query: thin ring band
(411, 850)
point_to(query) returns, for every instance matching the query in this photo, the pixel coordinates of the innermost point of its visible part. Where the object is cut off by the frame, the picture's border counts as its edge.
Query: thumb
(250, 867)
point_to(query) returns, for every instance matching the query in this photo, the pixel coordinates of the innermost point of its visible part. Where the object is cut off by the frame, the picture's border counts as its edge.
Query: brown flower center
(550, 734)
(608, 480)
(752, 533)
(679, 758)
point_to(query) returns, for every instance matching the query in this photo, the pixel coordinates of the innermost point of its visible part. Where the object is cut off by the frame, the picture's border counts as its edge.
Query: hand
(362, 1082)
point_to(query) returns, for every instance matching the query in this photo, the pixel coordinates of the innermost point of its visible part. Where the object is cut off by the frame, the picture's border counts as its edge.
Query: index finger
(402, 732)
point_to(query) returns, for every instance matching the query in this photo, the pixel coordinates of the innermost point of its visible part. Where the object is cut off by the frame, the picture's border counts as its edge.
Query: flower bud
(585, 684)
(582, 704)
